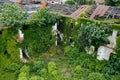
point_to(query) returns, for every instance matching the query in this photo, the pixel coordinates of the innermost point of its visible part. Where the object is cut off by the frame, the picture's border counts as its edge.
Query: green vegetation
(80, 2)
(42, 18)
(113, 2)
(71, 2)
(115, 26)
(92, 34)
(62, 62)
(11, 15)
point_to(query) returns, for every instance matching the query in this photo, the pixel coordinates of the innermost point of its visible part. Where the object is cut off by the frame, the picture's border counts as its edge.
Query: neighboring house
(100, 2)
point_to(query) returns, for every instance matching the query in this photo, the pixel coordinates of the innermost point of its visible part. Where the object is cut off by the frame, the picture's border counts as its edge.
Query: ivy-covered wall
(72, 28)
(69, 27)
(9, 51)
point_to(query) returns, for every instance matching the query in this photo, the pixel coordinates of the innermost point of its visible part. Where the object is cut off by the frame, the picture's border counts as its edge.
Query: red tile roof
(79, 11)
(99, 11)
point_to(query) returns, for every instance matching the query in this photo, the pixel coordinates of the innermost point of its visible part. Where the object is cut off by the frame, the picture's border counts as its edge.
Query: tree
(12, 15)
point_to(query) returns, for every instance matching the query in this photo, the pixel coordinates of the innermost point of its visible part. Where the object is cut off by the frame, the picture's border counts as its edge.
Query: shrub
(112, 67)
(42, 72)
(24, 73)
(13, 67)
(80, 74)
(36, 78)
(12, 15)
(38, 65)
(52, 67)
(95, 76)
(25, 69)
(71, 52)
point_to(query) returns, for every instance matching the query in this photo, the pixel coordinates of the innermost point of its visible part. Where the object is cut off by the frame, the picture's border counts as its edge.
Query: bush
(24, 73)
(52, 67)
(95, 76)
(36, 78)
(25, 69)
(80, 73)
(38, 65)
(112, 67)
(71, 52)
(13, 67)
(12, 15)
(42, 72)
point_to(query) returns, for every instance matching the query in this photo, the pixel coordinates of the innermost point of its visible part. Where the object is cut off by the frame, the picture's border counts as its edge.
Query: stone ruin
(57, 34)
(20, 36)
(24, 55)
(105, 51)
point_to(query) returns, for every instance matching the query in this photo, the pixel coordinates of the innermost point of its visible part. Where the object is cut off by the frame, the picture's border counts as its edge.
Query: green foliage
(24, 73)
(113, 66)
(115, 26)
(8, 49)
(52, 67)
(69, 27)
(38, 40)
(117, 47)
(12, 15)
(25, 69)
(80, 73)
(113, 2)
(77, 68)
(92, 34)
(42, 18)
(38, 65)
(36, 78)
(42, 72)
(71, 2)
(84, 2)
(115, 77)
(95, 76)
(89, 62)
(40, 27)
(13, 67)
(71, 52)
